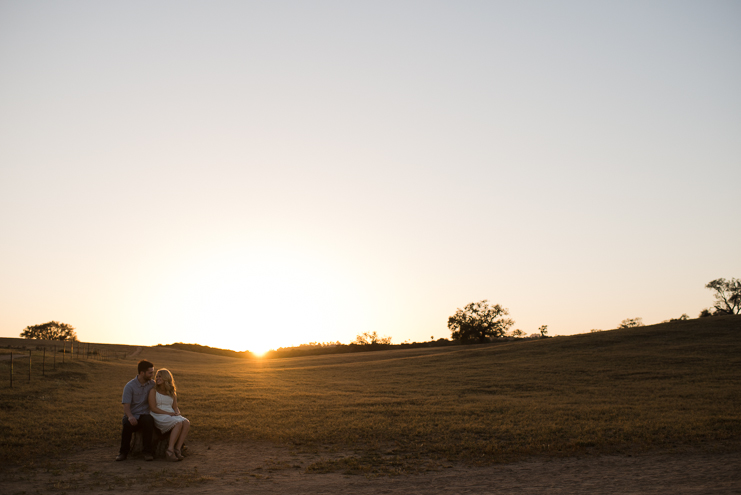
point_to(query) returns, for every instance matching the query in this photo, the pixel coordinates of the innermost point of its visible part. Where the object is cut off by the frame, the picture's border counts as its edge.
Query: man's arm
(127, 412)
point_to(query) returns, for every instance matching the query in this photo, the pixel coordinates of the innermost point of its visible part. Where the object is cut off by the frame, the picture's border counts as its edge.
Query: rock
(159, 443)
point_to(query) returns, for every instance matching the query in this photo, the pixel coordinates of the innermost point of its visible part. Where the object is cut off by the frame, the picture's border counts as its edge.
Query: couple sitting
(148, 404)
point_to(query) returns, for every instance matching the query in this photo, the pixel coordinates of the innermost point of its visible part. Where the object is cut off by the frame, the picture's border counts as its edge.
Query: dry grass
(662, 387)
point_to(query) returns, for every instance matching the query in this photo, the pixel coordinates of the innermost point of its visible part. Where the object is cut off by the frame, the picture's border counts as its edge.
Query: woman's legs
(183, 434)
(174, 434)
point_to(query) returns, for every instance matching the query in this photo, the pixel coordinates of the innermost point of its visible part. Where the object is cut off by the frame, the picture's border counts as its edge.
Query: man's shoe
(148, 457)
(121, 457)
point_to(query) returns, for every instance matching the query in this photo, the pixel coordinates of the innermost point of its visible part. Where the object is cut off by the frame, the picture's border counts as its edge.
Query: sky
(252, 175)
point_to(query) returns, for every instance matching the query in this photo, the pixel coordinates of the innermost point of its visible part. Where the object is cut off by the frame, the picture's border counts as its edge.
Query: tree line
(481, 322)
(477, 322)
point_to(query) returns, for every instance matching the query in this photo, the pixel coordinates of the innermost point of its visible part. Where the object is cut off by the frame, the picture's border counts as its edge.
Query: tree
(50, 331)
(479, 321)
(517, 333)
(543, 329)
(727, 296)
(631, 323)
(369, 338)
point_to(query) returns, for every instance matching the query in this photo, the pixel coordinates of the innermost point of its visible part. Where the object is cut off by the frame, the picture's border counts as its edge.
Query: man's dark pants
(145, 423)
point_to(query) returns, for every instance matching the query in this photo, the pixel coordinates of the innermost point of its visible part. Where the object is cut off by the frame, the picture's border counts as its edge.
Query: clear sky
(261, 174)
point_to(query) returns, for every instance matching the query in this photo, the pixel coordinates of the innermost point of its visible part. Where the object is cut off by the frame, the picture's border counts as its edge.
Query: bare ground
(231, 468)
(136, 352)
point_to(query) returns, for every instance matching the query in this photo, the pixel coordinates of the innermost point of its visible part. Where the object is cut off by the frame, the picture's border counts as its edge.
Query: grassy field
(664, 387)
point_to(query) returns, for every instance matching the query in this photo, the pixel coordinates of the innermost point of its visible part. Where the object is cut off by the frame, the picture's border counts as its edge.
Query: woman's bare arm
(175, 404)
(153, 405)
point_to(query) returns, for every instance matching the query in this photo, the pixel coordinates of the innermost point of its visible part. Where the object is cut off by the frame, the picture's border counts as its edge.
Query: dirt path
(267, 469)
(136, 352)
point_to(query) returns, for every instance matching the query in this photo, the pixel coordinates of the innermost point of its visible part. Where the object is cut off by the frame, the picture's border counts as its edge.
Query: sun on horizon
(257, 301)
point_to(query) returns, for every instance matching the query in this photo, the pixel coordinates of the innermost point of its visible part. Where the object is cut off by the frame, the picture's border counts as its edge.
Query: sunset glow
(254, 175)
(257, 300)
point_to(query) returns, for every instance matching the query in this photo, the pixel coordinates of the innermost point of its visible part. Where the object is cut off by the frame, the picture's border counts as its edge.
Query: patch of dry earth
(268, 469)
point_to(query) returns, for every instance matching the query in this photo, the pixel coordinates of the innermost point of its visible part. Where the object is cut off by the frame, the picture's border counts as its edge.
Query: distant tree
(684, 317)
(543, 329)
(727, 296)
(705, 313)
(518, 333)
(479, 321)
(631, 323)
(50, 331)
(595, 330)
(368, 338)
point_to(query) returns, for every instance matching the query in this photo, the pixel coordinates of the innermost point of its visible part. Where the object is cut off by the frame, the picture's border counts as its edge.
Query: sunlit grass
(663, 387)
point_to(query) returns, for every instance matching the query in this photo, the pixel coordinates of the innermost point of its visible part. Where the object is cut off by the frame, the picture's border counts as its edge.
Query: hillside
(668, 386)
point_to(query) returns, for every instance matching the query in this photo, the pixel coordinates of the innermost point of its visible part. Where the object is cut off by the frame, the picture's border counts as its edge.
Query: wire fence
(23, 365)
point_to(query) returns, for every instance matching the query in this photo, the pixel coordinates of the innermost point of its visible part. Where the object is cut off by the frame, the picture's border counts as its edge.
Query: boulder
(159, 443)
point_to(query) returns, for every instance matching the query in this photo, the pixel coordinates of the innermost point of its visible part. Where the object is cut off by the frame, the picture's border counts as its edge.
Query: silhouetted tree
(727, 296)
(684, 317)
(368, 338)
(543, 329)
(50, 331)
(631, 323)
(479, 321)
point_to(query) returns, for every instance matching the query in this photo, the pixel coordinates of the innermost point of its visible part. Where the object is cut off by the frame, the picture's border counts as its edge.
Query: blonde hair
(168, 381)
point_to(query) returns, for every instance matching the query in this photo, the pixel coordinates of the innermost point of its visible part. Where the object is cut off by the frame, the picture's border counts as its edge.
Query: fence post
(43, 362)
(55, 358)
(64, 351)
(29, 365)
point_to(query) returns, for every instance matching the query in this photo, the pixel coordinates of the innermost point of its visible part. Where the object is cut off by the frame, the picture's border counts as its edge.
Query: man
(136, 411)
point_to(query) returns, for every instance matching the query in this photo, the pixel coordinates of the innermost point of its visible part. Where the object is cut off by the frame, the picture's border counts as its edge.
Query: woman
(163, 403)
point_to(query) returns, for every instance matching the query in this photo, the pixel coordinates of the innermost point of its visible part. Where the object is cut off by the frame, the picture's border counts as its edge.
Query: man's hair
(144, 365)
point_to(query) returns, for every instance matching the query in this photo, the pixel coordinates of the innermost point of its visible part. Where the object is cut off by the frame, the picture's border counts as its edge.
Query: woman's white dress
(163, 422)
